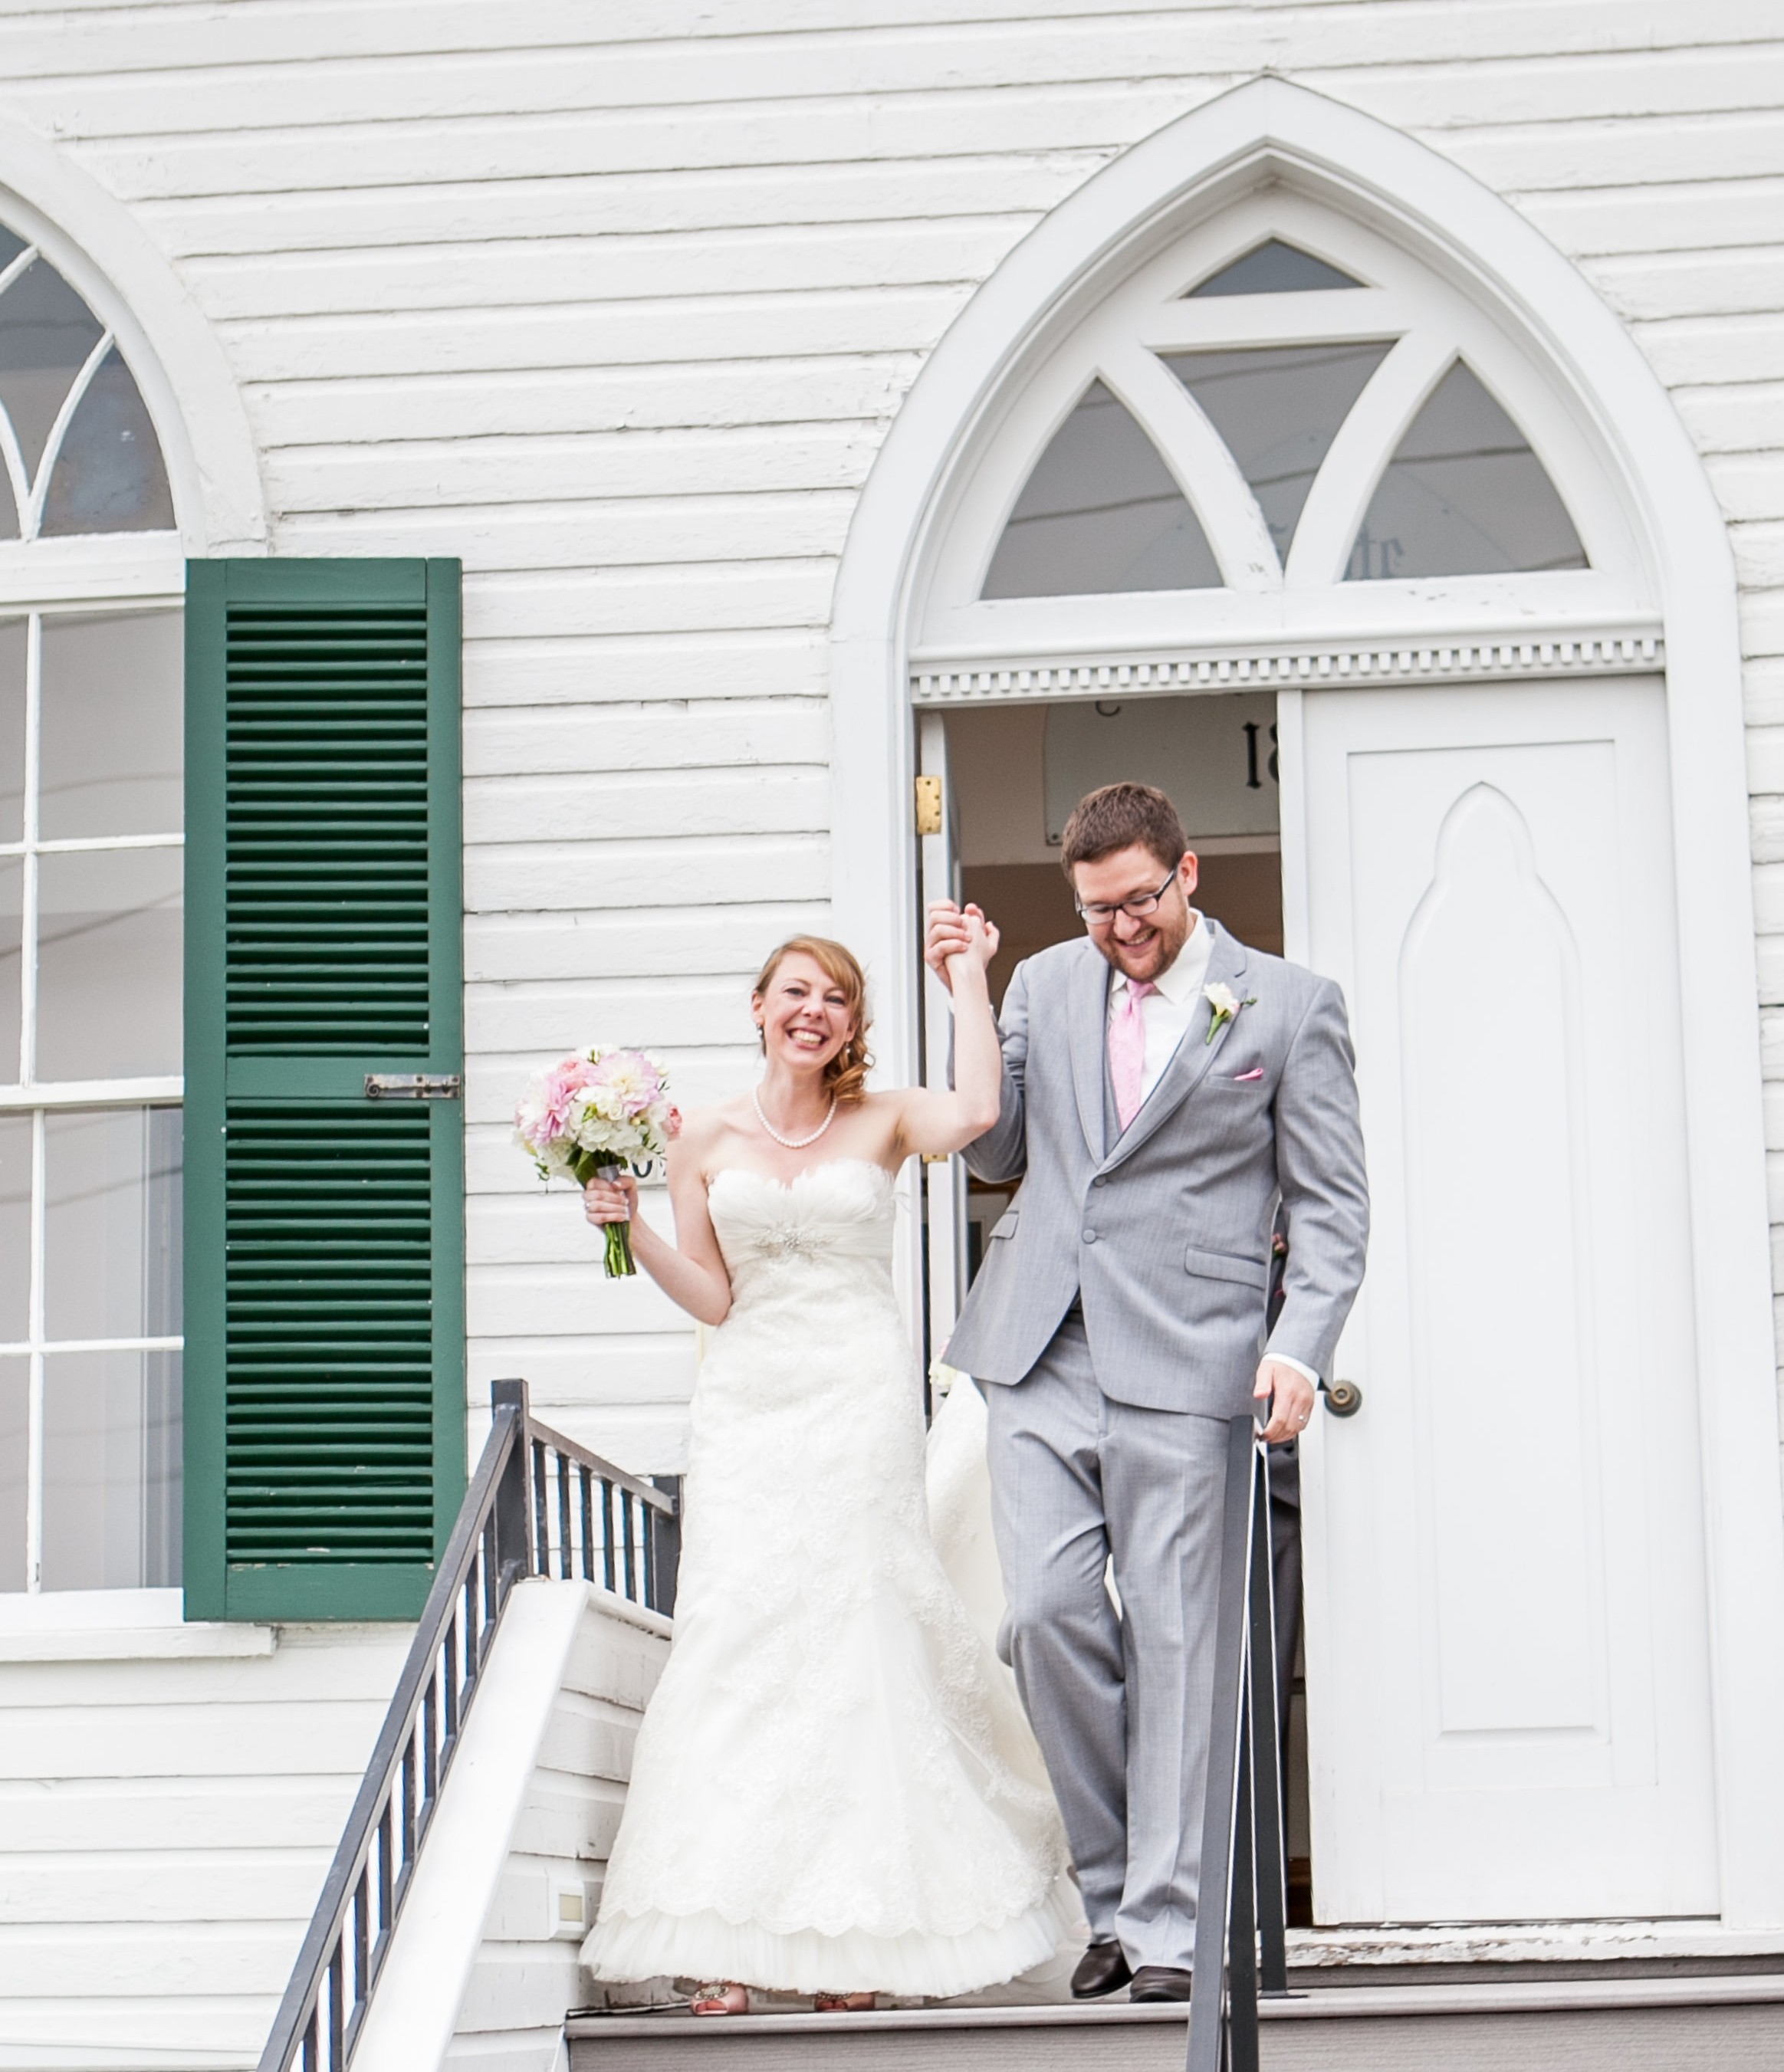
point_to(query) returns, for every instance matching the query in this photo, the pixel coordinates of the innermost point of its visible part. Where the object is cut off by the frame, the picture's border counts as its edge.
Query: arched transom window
(91, 908)
(1284, 437)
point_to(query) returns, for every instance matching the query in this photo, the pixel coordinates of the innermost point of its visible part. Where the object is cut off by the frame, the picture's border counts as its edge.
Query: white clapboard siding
(164, 1828)
(617, 303)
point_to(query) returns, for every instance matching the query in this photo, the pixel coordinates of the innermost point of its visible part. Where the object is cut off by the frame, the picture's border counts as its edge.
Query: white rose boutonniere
(1226, 1004)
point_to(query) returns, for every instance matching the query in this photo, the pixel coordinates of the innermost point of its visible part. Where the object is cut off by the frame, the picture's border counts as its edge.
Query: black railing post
(1208, 2006)
(665, 1531)
(513, 1519)
(1242, 1928)
(1265, 1721)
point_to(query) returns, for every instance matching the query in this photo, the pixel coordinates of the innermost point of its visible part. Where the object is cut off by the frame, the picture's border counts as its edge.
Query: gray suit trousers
(1120, 1705)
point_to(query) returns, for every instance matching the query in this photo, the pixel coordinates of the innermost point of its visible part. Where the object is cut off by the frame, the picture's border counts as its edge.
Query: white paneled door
(1507, 1675)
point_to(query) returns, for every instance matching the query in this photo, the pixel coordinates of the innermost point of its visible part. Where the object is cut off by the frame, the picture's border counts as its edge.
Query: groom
(1165, 1090)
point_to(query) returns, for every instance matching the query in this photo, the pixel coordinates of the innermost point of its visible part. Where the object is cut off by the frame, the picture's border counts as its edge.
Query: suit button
(1090, 1237)
(1101, 1180)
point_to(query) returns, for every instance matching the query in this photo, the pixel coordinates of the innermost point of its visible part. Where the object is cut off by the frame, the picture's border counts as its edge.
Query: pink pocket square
(1243, 1078)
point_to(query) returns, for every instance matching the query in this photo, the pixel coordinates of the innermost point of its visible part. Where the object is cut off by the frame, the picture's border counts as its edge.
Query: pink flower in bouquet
(671, 1125)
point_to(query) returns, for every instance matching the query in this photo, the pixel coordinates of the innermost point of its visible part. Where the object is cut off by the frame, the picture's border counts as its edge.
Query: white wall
(617, 303)
(166, 1825)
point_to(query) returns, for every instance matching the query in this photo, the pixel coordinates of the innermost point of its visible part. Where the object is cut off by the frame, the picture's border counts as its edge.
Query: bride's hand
(611, 1201)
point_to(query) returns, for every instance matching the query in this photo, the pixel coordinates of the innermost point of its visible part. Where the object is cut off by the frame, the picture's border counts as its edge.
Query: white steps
(1620, 2023)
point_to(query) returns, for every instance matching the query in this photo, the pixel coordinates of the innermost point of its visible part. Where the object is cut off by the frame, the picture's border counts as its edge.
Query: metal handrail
(504, 1532)
(1240, 1925)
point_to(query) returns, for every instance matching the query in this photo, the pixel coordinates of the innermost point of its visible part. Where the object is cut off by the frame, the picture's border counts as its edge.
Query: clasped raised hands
(957, 932)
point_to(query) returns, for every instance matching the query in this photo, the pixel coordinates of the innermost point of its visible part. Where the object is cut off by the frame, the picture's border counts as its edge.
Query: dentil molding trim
(1631, 652)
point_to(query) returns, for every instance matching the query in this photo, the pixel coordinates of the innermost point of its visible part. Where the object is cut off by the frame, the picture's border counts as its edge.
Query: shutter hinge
(414, 1086)
(929, 805)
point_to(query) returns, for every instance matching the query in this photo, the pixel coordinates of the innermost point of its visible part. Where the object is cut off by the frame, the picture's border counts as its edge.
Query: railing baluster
(541, 1531)
(430, 1767)
(337, 2022)
(565, 1571)
(387, 1873)
(626, 1528)
(607, 1572)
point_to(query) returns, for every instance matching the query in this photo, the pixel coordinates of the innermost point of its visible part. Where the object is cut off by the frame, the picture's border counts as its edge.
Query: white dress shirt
(1166, 1014)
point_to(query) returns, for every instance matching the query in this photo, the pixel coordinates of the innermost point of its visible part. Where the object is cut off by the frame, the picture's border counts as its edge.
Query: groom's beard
(1154, 952)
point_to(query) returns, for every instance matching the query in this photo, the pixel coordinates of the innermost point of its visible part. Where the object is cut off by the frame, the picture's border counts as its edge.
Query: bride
(833, 1790)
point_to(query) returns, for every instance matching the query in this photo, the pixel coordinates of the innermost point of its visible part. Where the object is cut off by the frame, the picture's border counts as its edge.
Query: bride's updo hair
(846, 1074)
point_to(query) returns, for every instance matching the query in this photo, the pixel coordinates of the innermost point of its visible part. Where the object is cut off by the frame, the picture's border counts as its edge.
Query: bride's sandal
(721, 1999)
(842, 2003)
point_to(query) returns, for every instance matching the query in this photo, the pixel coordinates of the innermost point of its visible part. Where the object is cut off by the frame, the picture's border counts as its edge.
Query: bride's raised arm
(691, 1271)
(930, 1120)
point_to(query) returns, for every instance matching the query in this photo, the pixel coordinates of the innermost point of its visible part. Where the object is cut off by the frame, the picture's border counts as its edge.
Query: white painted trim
(1013, 679)
(95, 569)
(135, 1643)
(166, 1091)
(1421, 202)
(190, 393)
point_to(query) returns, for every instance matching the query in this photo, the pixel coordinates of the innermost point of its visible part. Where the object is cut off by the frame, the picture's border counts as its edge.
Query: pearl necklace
(793, 1143)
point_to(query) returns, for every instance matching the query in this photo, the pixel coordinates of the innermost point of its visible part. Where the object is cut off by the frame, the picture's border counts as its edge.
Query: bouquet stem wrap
(620, 1261)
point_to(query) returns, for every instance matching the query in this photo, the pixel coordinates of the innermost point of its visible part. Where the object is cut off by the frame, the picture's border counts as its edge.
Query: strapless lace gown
(834, 1789)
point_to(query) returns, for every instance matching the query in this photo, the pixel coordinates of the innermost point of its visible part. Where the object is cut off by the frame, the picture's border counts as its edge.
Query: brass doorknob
(1344, 1398)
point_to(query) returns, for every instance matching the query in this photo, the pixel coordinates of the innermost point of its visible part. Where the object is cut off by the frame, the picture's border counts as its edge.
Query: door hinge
(929, 805)
(414, 1086)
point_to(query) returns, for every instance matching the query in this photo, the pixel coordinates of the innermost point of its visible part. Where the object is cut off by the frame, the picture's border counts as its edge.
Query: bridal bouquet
(588, 1116)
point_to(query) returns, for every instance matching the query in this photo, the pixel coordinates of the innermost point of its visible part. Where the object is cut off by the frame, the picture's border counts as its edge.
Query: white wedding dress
(834, 1789)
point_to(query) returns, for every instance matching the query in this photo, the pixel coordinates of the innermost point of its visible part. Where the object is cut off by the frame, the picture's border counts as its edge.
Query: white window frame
(122, 591)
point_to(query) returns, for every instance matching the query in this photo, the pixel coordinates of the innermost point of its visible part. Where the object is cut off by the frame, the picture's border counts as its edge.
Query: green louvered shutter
(325, 1231)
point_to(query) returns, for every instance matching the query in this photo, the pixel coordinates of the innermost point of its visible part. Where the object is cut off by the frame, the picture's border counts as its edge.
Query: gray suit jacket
(1165, 1229)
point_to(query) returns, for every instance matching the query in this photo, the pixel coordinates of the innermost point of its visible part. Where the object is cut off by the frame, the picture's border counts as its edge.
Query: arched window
(91, 893)
(1282, 443)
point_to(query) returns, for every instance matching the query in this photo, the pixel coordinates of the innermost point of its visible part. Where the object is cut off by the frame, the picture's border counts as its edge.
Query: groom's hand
(1290, 1396)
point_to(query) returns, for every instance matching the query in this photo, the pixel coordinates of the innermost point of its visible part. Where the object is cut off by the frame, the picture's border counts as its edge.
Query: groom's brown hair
(1117, 817)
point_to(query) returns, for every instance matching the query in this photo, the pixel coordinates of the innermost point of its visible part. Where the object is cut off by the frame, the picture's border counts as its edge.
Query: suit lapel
(1194, 1056)
(1087, 1009)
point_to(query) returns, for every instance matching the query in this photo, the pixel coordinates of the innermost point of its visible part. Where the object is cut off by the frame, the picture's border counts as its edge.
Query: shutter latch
(414, 1086)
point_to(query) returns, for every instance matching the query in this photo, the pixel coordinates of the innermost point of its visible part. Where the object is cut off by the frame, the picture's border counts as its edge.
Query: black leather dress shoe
(1159, 1982)
(1102, 1969)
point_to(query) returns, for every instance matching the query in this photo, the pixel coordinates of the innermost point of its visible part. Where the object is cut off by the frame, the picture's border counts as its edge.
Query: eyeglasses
(1141, 907)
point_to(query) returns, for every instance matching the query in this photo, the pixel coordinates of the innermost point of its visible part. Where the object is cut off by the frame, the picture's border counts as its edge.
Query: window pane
(112, 1244)
(108, 964)
(14, 1395)
(1464, 495)
(1278, 408)
(16, 1230)
(12, 730)
(1100, 513)
(12, 887)
(111, 1470)
(46, 335)
(109, 476)
(1274, 269)
(113, 730)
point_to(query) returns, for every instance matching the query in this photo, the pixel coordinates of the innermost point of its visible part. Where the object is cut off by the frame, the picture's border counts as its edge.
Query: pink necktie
(1127, 1051)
